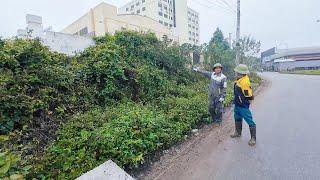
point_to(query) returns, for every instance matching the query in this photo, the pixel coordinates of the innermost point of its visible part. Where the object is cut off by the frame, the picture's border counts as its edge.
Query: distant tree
(219, 40)
(249, 50)
(186, 49)
(218, 50)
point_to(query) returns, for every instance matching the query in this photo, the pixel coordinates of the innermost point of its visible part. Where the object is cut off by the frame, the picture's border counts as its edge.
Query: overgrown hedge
(123, 99)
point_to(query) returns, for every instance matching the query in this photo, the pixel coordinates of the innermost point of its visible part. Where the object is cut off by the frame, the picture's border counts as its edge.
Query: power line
(223, 5)
(213, 4)
(226, 3)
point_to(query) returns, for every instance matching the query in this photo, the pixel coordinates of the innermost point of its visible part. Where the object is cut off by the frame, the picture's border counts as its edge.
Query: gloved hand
(195, 69)
(221, 99)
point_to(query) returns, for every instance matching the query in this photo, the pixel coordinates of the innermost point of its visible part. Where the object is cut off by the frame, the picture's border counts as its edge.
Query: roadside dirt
(185, 154)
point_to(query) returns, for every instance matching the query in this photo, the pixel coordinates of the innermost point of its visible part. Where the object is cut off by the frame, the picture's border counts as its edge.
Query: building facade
(104, 18)
(173, 14)
(291, 59)
(193, 26)
(56, 41)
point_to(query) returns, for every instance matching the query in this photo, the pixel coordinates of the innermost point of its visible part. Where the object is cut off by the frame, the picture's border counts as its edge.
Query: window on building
(160, 13)
(138, 3)
(160, 21)
(83, 31)
(138, 11)
(143, 1)
(144, 8)
(159, 4)
(127, 9)
(171, 25)
(166, 24)
(165, 15)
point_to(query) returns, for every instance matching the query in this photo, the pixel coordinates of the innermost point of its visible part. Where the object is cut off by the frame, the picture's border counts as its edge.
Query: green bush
(32, 79)
(36, 82)
(127, 133)
(123, 99)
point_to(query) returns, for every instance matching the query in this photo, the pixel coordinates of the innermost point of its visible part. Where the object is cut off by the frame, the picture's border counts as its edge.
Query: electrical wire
(223, 4)
(212, 5)
(230, 6)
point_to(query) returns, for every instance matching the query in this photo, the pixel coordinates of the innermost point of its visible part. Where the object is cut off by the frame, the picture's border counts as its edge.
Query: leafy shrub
(32, 79)
(127, 133)
(102, 69)
(11, 163)
(123, 99)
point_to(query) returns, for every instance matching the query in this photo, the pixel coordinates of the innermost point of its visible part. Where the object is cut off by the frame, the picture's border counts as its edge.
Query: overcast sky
(281, 23)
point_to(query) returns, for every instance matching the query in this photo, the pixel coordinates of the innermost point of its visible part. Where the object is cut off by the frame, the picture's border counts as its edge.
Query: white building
(104, 18)
(193, 26)
(56, 41)
(173, 14)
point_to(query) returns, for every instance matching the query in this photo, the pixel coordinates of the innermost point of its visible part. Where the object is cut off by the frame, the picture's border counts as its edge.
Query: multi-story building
(173, 14)
(104, 18)
(161, 11)
(193, 26)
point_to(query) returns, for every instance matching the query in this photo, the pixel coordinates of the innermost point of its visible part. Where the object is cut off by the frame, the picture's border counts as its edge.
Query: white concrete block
(106, 171)
(33, 19)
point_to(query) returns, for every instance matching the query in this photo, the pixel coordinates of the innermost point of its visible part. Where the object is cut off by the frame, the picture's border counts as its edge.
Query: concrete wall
(84, 21)
(66, 43)
(60, 42)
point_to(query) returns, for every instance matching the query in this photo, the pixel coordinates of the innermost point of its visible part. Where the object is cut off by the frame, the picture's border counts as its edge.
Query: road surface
(287, 114)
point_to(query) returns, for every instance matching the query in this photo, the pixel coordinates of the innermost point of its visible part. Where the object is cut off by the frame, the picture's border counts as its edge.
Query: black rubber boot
(253, 139)
(238, 130)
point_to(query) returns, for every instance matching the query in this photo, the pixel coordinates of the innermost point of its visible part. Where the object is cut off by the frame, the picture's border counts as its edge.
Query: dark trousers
(216, 110)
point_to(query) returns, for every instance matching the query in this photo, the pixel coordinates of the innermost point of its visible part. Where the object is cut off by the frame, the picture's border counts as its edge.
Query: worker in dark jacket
(242, 96)
(217, 92)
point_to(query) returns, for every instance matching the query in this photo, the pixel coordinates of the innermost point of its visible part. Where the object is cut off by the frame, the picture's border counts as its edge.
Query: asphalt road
(287, 114)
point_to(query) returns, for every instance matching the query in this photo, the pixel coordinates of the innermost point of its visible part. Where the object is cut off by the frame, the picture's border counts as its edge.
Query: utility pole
(230, 40)
(238, 34)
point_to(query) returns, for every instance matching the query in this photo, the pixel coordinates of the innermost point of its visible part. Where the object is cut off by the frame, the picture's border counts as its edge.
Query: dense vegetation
(123, 99)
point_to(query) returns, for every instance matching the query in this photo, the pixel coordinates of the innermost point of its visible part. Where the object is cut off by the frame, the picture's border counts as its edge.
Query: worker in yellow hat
(242, 96)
